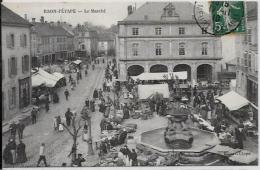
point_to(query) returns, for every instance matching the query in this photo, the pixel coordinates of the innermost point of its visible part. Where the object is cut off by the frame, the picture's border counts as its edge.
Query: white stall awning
(182, 75)
(43, 76)
(77, 61)
(58, 75)
(145, 91)
(233, 101)
(37, 80)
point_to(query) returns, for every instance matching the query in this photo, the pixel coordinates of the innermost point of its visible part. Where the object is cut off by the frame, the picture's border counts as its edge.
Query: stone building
(16, 67)
(51, 43)
(107, 43)
(86, 42)
(247, 53)
(164, 37)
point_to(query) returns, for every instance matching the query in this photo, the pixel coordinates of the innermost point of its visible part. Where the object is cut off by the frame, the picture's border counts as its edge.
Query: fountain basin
(153, 140)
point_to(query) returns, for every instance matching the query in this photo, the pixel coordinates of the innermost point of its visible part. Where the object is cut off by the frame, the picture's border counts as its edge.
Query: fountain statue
(177, 134)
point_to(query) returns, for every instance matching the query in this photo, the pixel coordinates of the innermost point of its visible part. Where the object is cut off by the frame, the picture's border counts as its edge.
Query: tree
(75, 134)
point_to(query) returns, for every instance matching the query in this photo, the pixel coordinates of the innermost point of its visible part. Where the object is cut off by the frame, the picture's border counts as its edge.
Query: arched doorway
(183, 67)
(158, 68)
(135, 70)
(204, 73)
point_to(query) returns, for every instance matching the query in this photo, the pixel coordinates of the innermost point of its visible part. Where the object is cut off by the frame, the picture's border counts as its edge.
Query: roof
(233, 101)
(10, 18)
(107, 36)
(148, 90)
(47, 29)
(153, 11)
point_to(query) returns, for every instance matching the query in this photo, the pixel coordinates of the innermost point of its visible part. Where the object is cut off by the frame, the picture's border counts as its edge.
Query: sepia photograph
(129, 83)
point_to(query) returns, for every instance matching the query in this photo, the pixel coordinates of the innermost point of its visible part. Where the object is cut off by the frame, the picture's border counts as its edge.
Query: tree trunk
(90, 147)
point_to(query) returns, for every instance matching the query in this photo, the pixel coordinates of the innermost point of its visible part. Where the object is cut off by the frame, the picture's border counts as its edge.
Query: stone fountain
(180, 136)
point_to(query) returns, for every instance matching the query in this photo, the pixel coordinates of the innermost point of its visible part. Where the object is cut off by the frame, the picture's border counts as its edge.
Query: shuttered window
(3, 69)
(10, 40)
(12, 66)
(12, 97)
(25, 63)
(23, 40)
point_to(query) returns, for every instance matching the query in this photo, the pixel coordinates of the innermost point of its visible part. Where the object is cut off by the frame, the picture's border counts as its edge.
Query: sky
(115, 10)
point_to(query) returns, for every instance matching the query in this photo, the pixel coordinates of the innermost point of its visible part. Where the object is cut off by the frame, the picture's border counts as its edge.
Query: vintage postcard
(130, 84)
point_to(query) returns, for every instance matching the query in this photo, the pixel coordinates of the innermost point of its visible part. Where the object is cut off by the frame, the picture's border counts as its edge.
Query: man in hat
(68, 116)
(66, 93)
(13, 128)
(20, 129)
(42, 155)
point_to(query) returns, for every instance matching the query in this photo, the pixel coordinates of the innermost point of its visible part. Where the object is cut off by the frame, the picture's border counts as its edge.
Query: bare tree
(74, 132)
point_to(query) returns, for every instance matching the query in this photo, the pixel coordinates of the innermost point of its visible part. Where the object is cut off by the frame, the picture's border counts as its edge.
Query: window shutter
(21, 40)
(3, 69)
(9, 98)
(14, 96)
(15, 66)
(9, 67)
(8, 40)
(23, 66)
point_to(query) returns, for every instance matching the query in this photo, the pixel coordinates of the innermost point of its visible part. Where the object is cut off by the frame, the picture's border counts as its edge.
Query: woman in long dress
(21, 155)
(7, 155)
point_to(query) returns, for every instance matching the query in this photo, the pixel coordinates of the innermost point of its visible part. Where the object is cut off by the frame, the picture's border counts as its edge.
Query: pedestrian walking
(66, 93)
(79, 160)
(68, 116)
(86, 73)
(95, 94)
(70, 78)
(20, 129)
(42, 155)
(13, 128)
(33, 115)
(80, 75)
(21, 154)
(47, 107)
(134, 158)
(87, 102)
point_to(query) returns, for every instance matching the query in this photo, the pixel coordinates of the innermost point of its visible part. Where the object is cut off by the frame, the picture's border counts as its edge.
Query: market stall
(62, 80)
(147, 91)
(182, 75)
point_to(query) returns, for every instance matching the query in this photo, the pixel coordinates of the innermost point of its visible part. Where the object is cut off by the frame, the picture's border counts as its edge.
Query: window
(25, 63)
(23, 40)
(249, 36)
(181, 30)
(158, 31)
(135, 49)
(238, 61)
(12, 97)
(3, 69)
(10, 40)
(135, 31)
(249, 60)
(245, 59)
(158, 49)
(182, 49)
(204, 48)
(12, 66)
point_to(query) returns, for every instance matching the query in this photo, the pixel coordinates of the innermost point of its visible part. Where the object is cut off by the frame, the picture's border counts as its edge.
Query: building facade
(16, 67)
(51, 43)
(164, 37)
(107, 43)
(247, 54)
(86, 42)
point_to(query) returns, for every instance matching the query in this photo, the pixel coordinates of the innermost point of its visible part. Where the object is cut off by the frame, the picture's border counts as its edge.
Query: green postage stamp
(227, 16)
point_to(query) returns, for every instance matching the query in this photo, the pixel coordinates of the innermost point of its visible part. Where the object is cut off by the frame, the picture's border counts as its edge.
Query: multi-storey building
(86, 42)
(246, 52)
(164, 37)
(16, 67)
(107, 43)
(51, 43)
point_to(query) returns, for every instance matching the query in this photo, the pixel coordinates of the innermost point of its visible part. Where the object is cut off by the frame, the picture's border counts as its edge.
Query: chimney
(58, 22)
(51, 23)
(130, 9)
(33, 20)
(70, 26)
(46, 21)
(25, 16)
(42, 19)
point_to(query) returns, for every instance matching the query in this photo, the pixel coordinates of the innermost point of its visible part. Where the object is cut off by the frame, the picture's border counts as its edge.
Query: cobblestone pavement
(57, 143)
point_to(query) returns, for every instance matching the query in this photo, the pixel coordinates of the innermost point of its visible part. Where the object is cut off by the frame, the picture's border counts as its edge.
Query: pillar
(193, 73)
(170, 67)
(122, 70)
(146, 68)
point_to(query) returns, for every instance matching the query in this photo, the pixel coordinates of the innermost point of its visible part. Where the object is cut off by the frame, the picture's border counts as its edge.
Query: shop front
(24, 92)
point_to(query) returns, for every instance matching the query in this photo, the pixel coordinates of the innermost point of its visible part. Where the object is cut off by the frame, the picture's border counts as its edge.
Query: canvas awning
(145, 91)
(182, 75)
(77, 62)
(58, 75)
(37, 80)
(41, 76)
(233, 101)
